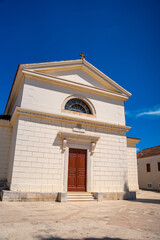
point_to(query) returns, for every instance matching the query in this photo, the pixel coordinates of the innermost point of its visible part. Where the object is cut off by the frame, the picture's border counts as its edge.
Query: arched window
(77, 105)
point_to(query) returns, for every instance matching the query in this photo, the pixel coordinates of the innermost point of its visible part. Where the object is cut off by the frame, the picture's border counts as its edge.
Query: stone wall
(110, 161)
(39, 159)
(5, 136)
(12, 153)
(10, 196)
(132, 167)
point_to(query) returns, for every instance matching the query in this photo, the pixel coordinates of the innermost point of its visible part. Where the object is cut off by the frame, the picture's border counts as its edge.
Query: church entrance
(77, 170)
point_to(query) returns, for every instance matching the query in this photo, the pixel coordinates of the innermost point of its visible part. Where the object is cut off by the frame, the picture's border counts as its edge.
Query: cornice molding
(104, 76)
(78, 136)
(71, 84)
(45, 65)
(72, 63)
(17, 84)
(133, 140)
(66, 118)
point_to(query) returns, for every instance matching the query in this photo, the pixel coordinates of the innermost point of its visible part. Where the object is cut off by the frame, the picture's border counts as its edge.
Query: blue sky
(119, 37)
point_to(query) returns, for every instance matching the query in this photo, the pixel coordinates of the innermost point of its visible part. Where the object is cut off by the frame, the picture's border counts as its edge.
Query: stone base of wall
(119, 195)
(11, 196)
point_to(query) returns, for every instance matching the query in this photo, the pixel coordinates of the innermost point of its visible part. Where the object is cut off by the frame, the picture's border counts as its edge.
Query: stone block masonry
(38, 163)
(38, 159)
(11, 196)
(119, 195)
(5, 137)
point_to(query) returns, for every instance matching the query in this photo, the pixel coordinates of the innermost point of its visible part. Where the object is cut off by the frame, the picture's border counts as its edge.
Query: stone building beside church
(64, 130)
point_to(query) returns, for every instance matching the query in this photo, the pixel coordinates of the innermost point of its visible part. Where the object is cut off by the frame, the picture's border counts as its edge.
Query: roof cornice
(101, 74)
(51, 64)
(23, 68)
(78, 62)
(71, 84)
(17, 83)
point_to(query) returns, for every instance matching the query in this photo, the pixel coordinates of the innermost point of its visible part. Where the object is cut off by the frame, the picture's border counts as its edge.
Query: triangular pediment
(79, 72)
(76, 74)
(79, 76)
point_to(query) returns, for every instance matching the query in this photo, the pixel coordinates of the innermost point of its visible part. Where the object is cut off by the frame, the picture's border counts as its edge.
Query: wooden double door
(77, 170)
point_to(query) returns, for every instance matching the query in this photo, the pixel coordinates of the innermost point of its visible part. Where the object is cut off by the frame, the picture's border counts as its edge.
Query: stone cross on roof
(82, 55)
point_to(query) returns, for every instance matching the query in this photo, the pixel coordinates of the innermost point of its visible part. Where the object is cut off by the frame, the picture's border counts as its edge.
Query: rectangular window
(148, 167)
(149, 185)
(159, 166)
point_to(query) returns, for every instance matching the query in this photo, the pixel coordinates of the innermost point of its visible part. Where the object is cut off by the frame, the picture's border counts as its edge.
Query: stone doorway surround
(79, 141)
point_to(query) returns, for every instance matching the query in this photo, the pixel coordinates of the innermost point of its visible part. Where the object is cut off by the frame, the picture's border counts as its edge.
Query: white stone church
(64, 132)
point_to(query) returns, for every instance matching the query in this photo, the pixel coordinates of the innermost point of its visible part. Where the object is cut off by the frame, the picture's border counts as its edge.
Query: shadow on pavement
(143, 200)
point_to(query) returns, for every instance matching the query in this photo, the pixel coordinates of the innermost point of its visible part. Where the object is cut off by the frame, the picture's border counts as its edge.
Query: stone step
(85, 195)
(80, 196)
(81, 200)
(79, 193)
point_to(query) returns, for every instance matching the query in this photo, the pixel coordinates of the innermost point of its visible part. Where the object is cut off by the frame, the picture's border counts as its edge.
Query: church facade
(64, 130)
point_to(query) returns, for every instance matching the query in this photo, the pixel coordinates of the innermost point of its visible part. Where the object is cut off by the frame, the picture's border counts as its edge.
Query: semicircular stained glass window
(77, 105)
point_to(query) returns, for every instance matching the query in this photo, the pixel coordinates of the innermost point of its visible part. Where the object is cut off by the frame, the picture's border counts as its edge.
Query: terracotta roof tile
(149, 152)
(134, 138)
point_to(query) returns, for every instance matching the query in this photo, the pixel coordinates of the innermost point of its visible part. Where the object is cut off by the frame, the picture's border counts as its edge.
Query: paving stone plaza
(118, 220)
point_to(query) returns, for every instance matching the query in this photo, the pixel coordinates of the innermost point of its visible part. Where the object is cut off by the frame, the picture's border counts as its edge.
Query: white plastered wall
(49, 98)
(5, 137)
(153, 177)
(132, 167)
(39, 160)
(81, 77)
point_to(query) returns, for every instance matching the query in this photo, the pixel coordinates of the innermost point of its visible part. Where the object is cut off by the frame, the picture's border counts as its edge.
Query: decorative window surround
(77, 105)
(84, 100)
